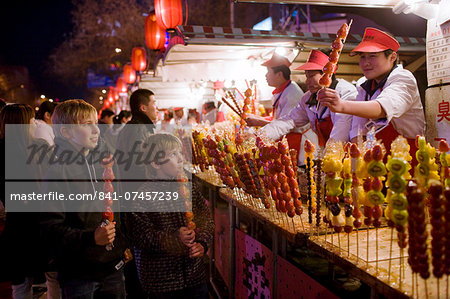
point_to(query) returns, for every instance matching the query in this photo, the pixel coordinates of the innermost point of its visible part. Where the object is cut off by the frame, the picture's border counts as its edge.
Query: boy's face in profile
(85, 134)
(173, 164)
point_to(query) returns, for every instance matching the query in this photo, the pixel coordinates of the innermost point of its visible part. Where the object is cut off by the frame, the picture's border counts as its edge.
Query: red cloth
(324, 129)
(281, 88)
(294, 140)
(388, 134)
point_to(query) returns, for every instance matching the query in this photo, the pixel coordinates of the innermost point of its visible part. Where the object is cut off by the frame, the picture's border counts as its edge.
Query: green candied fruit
(347, 188)
(399, 217)
(334, 186)
(422, 156)
(376, 197)
(220, 146)
(443, 158)
(397, 184)
(399, 201)
(397, 166)
(421, 142)
(376, 168)
(423, 169)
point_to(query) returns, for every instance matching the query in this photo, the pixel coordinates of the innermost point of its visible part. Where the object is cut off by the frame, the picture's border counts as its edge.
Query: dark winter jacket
(162, 260)
(20, 254)
(71, 234)
(130, 140)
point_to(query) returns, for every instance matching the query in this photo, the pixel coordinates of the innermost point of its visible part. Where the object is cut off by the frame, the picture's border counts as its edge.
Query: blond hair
(72, 112)
(154, 145)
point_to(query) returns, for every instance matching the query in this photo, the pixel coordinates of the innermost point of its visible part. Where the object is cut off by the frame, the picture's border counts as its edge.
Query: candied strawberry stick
(337, 47)
(108, 189)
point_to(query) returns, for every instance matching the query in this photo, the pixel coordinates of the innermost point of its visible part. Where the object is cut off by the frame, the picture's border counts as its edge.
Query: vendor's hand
(255, 121)
(187, 236)
(330, 98)
(196, 250)
(105, 235)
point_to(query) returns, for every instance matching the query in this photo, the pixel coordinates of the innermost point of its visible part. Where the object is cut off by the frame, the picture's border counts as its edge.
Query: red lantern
(169, 13)
(138, 59)
(155, 36)
(121, 86)
(129, 74)
(111, 96)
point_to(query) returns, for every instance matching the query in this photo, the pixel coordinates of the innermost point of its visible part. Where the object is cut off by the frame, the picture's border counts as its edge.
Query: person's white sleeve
(280, 127)
(358, 123)
(342, 123)
(397, 97)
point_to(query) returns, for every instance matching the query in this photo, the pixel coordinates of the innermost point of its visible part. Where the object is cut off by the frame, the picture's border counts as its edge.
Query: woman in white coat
(389, 98)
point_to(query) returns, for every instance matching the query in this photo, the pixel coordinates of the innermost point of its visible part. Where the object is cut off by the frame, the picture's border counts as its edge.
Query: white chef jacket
(287, 100)
(400, 100)
(303, 115)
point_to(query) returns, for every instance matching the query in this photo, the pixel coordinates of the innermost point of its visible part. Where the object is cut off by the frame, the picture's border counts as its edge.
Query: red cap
(316, 61)
(277, 60)
(177, 108)
(375, 40)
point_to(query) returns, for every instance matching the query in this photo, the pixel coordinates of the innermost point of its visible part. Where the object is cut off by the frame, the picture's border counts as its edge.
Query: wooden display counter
(377, 265)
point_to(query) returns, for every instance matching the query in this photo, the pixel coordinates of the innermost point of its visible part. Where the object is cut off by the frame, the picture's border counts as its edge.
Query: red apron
(388, 135)
(295, 140)
(324, 128)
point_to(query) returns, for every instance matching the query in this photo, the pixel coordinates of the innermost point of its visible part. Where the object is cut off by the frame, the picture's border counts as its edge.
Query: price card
(438, 52)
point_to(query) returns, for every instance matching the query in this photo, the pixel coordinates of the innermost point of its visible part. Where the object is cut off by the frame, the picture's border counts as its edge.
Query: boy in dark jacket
(169, 245)
(87, 265)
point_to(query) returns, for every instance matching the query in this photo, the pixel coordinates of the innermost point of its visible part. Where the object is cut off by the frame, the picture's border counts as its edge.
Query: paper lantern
(129, 74)
(169, 13)
(155, 36)
(111, 96)
(121, 86)
(138, 59)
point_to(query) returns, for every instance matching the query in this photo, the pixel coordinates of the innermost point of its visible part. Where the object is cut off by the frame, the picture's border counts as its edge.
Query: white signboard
(438, 53)
(438, 114)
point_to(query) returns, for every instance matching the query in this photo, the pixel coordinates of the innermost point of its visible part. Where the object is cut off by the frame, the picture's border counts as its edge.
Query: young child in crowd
(168, 253)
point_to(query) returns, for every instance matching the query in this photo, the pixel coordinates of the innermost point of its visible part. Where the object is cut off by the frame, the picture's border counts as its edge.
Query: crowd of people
(80, 253)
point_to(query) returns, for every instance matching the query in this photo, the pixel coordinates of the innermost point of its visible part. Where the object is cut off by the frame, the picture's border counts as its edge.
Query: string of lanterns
(168, 15)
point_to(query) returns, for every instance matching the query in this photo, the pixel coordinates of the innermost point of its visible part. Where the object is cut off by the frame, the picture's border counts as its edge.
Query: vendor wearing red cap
(389, 98)
(325, 124)
(285, 97)
(286, 94)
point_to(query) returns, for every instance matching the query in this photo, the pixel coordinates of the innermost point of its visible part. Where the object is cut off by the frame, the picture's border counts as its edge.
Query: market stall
(203, 55)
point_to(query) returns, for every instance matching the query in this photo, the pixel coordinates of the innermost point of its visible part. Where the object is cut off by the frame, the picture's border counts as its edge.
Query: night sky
(29, 30)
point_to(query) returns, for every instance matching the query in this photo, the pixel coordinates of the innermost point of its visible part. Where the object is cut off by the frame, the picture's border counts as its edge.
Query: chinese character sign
(437, 107)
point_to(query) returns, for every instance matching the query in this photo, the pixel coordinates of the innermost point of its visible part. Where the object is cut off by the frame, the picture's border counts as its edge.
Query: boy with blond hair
(86, 267)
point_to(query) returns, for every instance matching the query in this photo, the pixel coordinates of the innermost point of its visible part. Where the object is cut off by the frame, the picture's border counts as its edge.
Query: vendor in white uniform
(285, 96)
(327, 124)
(389, 98)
